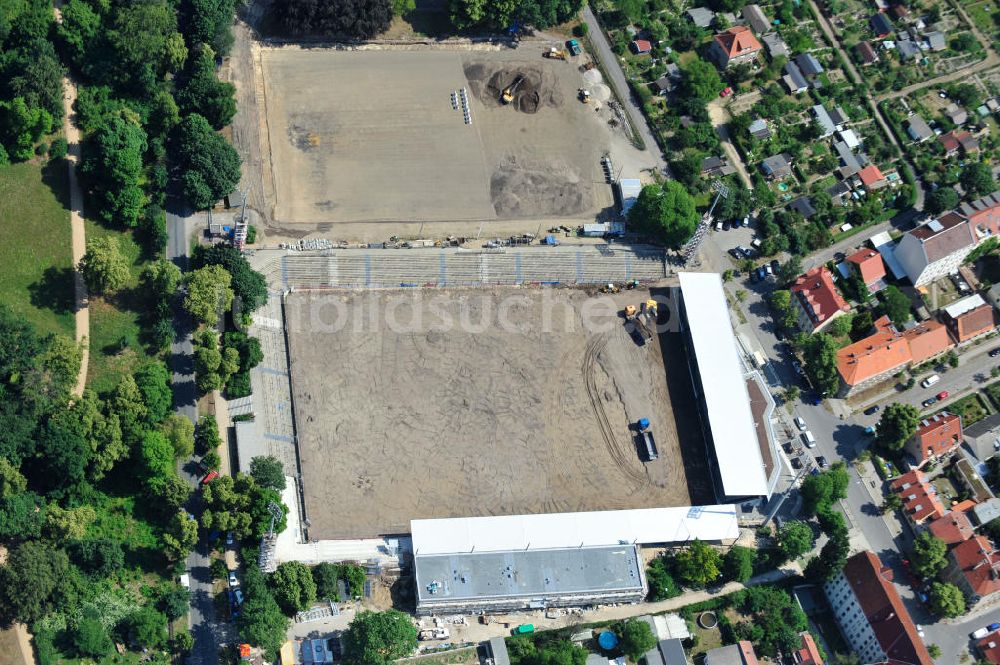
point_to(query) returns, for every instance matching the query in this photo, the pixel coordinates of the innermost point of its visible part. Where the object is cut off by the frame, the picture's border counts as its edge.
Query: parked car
(209, 477)
(726, 92)
(746, 221)
(993, 626)
(725, 225)
(808, 439)
(800, 423)
(943, 394)
(233, 580)
(822, 462)
(775, 265)
(872, 410)
(229, 538)
(929, 401)
(870, 429)
(238, 594)
(796, 462)
(736, 253)
(979, 633)
(930, 381)
(995, 352)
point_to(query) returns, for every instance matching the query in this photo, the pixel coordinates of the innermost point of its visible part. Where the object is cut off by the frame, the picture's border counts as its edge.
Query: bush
(581, 30)
(661, 582)
(58, 149)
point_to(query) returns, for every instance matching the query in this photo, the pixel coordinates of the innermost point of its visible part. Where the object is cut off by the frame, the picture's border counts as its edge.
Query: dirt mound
(548, 189)
(537, 87)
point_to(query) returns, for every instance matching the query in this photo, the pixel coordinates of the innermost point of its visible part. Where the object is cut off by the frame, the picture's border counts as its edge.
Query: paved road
(613, 68)
(901, 222)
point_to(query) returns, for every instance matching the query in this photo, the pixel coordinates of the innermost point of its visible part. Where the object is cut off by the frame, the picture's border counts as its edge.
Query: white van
(930, 381)
(809, 439)
(800, 423)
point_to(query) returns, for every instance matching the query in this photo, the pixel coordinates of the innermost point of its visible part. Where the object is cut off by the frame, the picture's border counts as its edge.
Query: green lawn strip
(36, 260)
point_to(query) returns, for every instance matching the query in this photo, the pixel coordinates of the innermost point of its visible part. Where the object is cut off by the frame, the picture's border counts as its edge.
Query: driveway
(718, 114)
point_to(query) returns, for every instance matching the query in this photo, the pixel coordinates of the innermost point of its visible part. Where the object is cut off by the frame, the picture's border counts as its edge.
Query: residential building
(839, 192)
(935, 248)
(953, 528)
(872, 616)
(867, 53)
(755, 16)
(872, 359)
(670, 79)
(794, 79)
(716, 166)
(808, 653)
(804, 206)
(907, 49)
(985, 512)
(667, 652)
(734, 46)
(869, 266)
(759, 129)
(983, 438)
(701, 16)
(974, 567)
(774, 45)
(808, 65)
(957, 141)
(968, 479)
(839, 117)
(641, 46)
(935, 41)
(956, 114)
(918, 129)
(817, 300)
(920, 499)
(741, 653)
(850, 162)
(777, 166)
(936, 437)
(872, 178)
(823, 120)
(989, 647)
(927, 340)
(983, 215)
(881, 26)
(969, 318)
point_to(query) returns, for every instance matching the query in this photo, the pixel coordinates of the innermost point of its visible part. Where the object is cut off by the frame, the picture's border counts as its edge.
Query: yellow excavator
(507, 96)
(557, 54)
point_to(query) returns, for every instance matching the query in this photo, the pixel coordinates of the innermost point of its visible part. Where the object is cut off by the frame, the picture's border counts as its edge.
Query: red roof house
(868, 264)
(872, 178)
(937, 436)
(808, 654)
(734, 46)
(640, 46)
(817, 299)
(973, 568)
(927, 340)
(920, 500)
(953, 528)
(969, 317)
(989, 647)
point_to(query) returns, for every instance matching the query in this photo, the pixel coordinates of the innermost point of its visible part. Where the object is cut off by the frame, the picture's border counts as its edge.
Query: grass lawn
(971, 408)
(115, 347)
(36, 260)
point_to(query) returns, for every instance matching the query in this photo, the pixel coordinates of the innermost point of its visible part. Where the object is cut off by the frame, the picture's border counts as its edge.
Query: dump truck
(635, 325)
(584, 95)
(507, 96)
(647, 443)
(557, 54)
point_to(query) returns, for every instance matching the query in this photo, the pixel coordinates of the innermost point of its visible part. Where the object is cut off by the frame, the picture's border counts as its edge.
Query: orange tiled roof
(976, 559)
(927, 340)
(952, 528)
(818, 295)
(920, 501)
(870, 175)
(870, 265)
(937, 435)
(874, 355)
(808, 654)
(737, 41)
(989, 647)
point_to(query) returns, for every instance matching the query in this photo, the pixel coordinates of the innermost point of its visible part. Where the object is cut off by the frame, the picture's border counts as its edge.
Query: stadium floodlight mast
(276, 514)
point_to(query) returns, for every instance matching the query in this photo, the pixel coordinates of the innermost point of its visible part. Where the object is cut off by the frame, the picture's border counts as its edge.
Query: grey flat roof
(672, 652)
(498, 649)
(477, 576)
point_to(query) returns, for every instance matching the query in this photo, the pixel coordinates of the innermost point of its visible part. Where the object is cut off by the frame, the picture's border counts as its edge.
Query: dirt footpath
(464, 403)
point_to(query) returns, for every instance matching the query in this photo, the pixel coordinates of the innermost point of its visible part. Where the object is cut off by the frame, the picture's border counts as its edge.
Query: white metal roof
(884, 244)
(967, 304)
(630, 189)
(562, 530)
(741, 467)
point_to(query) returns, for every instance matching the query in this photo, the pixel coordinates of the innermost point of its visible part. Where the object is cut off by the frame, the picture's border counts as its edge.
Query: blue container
(607, 640)
(643, 423)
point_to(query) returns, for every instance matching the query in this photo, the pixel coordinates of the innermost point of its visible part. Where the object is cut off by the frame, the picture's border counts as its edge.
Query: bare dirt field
(463, 403)
(373, 136)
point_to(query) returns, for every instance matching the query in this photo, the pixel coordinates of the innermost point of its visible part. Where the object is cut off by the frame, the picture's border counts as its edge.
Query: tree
(965, 41)
(207, 435)
(666, 212)
(180, 536)
(929, 555)
(977, 179)
(378, 638)
(127, 404)
(21, 126)
(97, 558)
(203, 93)
(781, 301)
(153, 381)
(795, 538)
(208, 293)
(62, 454)
(80, 27)
(68, 523)
(30, 581)
(895, 304)
(947, 600)
(149, 627)
(698, 565)
(841, 326)
(636, 638)
(113, 166)
(183, 642)
(892, 503)
(90, 639)
(701, 80)
(62, 362)
(248, 285)
(820, 354)
(208, 21)
(821, 491)
(208, 167)
(11, 480)
(22, 517)
(268, 472)
(180, 432)
(293, 587)
(354, 19)
(737, 565)
(897, 425)
(940, 200)
(934, 651)
(103, 266)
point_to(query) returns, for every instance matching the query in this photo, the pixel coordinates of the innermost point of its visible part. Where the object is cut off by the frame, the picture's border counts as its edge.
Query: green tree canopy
(180, 536)
(895, 304)
(112, 164)
(698, 565)
(153, 381)
(897, 424)
(636, 638)
(821, 491)
(34, 575)
(378, 638)
(355, 19)
(248, 285)
(293, 587)
(947, 600)
(666, 212)
(208, 294)
(929, 555)
(149, 627)
(268, 472)
(209, 168)
(795, 538)
(180, 432)
(737, 565)
(203, 93)
(701, 80)
(262, 623)
(820, 353)
(208, 22)
(103, 266)
(90, 639)
(977, 179)
(940, 200)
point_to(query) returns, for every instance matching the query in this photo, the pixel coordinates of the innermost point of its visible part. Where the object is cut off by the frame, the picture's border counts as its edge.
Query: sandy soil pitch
(397, 422)
(364, 136)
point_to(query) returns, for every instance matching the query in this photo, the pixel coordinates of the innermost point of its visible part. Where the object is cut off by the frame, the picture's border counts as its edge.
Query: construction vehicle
(507, 96)
(557, 54)
(610, 287)
(434, 634)
(584, 95)
(635, 325)
(646, 441)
